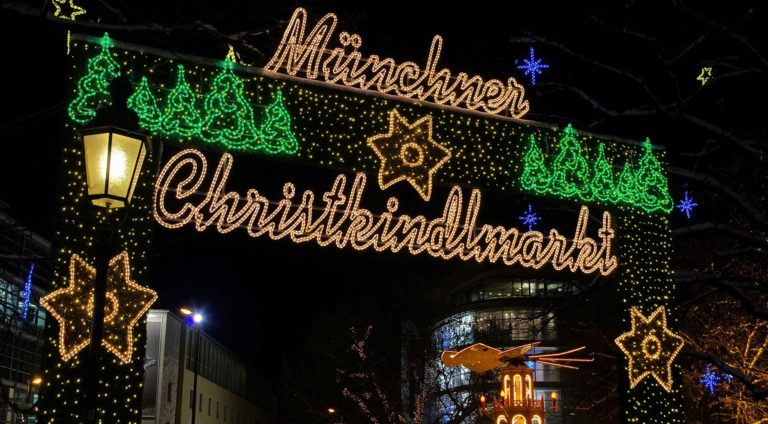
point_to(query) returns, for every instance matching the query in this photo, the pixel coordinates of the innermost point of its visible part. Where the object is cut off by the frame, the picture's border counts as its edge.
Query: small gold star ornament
(705, 75)
(408, 152)
(650, 348)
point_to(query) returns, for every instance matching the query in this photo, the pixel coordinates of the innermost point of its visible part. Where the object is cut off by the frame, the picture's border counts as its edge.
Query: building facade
(23, 274)
(225, 383)
(502, 311)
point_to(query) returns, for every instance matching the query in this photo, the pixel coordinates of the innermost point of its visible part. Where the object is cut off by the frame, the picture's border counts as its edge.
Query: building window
(225, 412)
(168, 395)
(217, 409)
(209, 406)
(200, 403)
(191, 398)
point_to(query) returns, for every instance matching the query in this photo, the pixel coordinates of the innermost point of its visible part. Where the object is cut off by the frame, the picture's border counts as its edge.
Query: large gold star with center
(650, 347)
(409, 153)
(126, 302)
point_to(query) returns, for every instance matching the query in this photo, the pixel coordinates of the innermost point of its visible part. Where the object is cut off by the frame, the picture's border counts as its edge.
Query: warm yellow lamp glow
(113, 159)
(37, 381)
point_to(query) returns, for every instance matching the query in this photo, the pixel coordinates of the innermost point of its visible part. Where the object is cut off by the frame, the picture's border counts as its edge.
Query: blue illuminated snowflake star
(530, 218)
(533, 67)
(710, 380)
(686, 205)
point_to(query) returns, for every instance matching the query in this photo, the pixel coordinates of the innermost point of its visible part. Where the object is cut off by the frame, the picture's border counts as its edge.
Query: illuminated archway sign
(308, 53)
(342, 222)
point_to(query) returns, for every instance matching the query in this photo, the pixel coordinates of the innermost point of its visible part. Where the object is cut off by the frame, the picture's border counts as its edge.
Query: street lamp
(114, 152)
(113, 159)
(197, 318)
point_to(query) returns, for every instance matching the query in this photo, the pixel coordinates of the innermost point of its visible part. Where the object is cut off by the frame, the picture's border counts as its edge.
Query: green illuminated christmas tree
(92, 88)
(276, 129)
(653, 193)
(627, 187)
(180, 116)
(143, 102)
(535, 175)
(602, 184)
(228, 115)
(570, 171)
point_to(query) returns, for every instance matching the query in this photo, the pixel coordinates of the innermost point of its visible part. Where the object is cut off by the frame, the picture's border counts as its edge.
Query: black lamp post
(114, 153)
(197, 319)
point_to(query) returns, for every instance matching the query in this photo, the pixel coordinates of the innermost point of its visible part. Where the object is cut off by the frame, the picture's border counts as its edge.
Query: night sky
(262, 297)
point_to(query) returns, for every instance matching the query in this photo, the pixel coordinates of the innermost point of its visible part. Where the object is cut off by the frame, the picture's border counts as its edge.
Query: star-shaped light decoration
(67, 9)
(705, 75)
(409, 153)
(126, 303)
(650, 348)
(530, 218)
(72, 306)
(686, 205)
(533, 67)
(710, 380)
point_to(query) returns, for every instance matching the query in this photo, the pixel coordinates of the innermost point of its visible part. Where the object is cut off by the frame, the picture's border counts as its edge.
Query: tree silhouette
(180, 116)
(602, 184)
(276, 128)
(228, 115)
(535, 174)
(143, 102)
(653, 193)
(92, 87)
(570, 171)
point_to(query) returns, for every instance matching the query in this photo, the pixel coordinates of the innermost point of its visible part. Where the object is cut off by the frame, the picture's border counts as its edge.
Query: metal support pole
(93, 365)
(197, 369)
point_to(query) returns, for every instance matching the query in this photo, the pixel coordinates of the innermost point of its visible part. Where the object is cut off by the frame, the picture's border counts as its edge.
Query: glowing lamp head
(113, 159)
(185, 311)
(554, 395)
(37, 381)
(197, 318)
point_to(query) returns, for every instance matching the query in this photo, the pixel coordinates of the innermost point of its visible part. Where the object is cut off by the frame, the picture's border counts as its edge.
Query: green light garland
(570, 176)
(652, 184)
(570, 171)
(228, 115)
(143, 102)
(602, 182)
(535, 175)
(276, 130)
(181, 117)
(92, 87)
(627, 187)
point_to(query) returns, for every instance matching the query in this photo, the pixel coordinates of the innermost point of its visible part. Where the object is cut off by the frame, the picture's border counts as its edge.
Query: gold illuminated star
(125, 303)
(71, 307)
(705, 75)
(408, 152)
(72, 11)
(650, 348)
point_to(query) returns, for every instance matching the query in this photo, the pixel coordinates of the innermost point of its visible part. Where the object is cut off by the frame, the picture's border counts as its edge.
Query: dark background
(264, 298)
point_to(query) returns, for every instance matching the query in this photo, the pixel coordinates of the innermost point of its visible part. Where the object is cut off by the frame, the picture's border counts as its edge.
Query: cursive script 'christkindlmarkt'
(340, 220)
